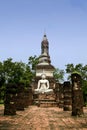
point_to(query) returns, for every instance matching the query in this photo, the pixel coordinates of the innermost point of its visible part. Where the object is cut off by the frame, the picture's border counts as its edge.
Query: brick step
(44, 100)
(48, 104)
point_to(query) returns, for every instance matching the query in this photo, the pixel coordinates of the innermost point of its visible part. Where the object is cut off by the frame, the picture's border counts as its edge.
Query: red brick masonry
(36, 118)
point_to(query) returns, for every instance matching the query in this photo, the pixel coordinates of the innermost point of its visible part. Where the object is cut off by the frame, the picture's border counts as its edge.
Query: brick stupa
(44, 65)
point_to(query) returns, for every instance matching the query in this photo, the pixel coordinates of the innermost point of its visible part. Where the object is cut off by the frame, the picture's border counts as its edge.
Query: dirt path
(36, 118)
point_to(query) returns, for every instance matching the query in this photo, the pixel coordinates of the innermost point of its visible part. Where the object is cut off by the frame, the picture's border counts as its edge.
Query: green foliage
(82, 70)
(2, 81)
(16, 72)
(13, 70)
(59, 75)
(79, 68)
(85, 87)
(27, 77)
(2, 92)
(33, 61)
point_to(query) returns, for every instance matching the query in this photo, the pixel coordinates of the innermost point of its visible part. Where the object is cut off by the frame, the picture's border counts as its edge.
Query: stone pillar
(10, 99)
(56, 90)
(61, 96)
(77, 95)
(20, 97)
(67, 96)
(28, 97)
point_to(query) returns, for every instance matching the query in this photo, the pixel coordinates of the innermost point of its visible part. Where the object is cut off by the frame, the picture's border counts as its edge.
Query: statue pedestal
(46, 100)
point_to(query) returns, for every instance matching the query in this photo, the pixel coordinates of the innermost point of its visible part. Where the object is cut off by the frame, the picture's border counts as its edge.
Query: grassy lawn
(1, 103)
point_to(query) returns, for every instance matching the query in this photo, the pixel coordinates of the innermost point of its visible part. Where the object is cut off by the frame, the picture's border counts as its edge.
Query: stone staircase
(46, 100)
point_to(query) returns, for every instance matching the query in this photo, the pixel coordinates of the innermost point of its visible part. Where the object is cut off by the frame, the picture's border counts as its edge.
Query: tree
(79, 68)
(16, 72)
(70, 68)
(82, 70)
(33, 61)
(27, 76)
(13, 71)
(2, 81)
(59, 75)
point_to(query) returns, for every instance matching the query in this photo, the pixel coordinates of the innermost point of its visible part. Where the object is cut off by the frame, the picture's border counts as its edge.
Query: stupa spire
(44, 37)
(45, 45)
(44, 58)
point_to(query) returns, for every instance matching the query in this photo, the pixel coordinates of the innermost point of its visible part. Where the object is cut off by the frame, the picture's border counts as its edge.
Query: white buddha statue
(43, 85)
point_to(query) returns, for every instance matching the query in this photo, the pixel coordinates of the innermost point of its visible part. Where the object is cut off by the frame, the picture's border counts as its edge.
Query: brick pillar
(61, 96)
(10, 99)
(77, 96)
(28, 97)
(20, 97)
(56, 90)
(67, 96)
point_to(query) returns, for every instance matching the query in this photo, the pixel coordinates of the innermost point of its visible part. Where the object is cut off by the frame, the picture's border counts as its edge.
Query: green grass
(1, 102)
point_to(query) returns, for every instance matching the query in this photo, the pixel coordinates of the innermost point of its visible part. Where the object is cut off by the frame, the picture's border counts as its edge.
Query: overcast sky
(22, 26)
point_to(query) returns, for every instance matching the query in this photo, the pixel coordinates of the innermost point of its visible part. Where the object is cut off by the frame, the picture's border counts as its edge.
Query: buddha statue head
(43, 76)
